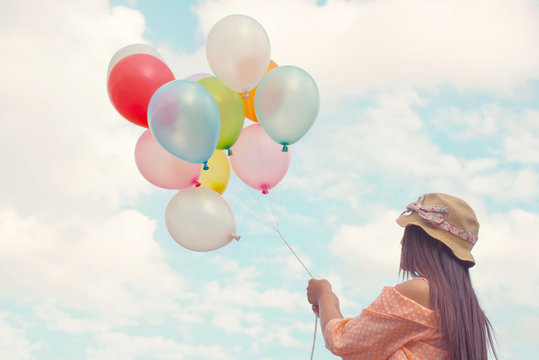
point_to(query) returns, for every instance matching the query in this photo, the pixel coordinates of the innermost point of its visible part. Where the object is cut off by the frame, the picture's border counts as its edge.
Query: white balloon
(199, 219)
(238, 51)
(130, 50)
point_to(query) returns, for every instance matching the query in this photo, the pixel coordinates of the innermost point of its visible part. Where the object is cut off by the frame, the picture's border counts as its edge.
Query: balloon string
(274, 214)
(275, 227)
(237, 202)
(248, 204)
(311, 275)
(293, 252)
(275, 219)
(314, 337)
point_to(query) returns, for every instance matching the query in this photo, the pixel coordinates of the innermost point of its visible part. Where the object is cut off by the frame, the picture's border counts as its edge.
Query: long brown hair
(465, 329)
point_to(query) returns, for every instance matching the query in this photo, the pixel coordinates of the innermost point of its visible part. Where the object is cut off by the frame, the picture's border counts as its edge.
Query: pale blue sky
(416, 96)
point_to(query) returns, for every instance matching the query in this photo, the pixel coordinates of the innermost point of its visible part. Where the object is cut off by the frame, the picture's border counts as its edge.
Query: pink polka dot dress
(393, 327)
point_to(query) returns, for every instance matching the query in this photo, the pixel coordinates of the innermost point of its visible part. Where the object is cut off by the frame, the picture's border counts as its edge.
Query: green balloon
(230, 109)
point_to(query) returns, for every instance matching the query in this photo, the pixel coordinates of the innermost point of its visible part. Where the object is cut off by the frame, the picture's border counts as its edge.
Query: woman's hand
(324, 302)
(316, 290)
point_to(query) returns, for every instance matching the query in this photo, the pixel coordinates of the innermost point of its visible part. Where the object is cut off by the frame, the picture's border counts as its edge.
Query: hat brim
(460, 247)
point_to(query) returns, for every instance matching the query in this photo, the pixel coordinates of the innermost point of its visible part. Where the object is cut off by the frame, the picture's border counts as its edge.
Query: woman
(435, 315)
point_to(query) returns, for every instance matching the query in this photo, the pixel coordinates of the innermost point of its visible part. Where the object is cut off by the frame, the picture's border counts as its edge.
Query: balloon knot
(229, 152)
(264, 189)
(206, 167)
(245, 95)
(236, 237)
(285, 148)
(197, 184)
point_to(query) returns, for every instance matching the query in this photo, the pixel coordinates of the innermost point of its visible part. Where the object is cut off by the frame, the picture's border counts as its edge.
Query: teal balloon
(184, 118)
(287, 102)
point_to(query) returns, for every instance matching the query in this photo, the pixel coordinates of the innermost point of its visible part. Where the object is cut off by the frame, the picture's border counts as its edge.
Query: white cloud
(386, 146)
(507, 270)
(517, 131)
(114, 345)
(522, 141)
(59, 320)
(370, 253)
(468, 125)
(113, 268)
(13, 341)
(114, 275)
(245, 298)
(516, 335)
(283, 335)
(184, 65)
(387, 138)
(351, 46)
(248, 295)
(239, 322)
(68, 167)
(68, 163)
(286, 262)
(65, 149)
(506, 185)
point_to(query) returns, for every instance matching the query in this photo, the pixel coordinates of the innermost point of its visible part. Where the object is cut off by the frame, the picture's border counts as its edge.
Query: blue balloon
(184, 118)
(287, 103)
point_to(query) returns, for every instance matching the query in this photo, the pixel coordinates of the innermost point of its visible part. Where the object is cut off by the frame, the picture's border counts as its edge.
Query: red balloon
(133, 81)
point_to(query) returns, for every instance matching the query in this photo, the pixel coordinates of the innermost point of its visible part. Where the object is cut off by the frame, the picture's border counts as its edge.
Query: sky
(417, 96)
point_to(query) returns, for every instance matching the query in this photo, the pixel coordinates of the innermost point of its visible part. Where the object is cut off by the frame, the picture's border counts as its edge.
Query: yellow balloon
(218, 175)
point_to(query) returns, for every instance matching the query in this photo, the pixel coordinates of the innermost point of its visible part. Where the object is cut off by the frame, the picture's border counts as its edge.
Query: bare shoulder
(417, 290)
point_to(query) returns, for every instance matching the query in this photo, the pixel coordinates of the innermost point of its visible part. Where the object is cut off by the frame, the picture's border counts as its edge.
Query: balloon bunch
(191, 122)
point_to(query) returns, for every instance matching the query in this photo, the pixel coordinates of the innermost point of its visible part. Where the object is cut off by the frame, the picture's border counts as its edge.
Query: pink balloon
(258, 160)
(161, 168)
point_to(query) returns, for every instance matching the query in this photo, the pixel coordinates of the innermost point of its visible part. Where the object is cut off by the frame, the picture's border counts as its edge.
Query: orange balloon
(249, 103)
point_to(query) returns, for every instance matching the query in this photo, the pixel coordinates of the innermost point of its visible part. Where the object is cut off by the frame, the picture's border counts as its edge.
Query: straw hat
(447, 219)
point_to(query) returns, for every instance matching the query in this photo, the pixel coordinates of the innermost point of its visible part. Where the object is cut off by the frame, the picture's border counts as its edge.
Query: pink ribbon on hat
(437, 215)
